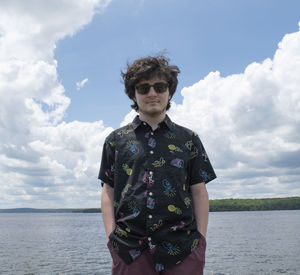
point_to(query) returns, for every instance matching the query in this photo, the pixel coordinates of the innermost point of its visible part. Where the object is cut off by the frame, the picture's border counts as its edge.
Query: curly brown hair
(146, 68)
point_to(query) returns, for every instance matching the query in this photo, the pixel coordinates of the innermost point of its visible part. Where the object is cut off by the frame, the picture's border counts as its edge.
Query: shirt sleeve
(200, 168)
(107, 167)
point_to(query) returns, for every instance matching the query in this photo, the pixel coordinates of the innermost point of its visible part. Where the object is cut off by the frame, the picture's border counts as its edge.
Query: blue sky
(62, 94)
(199, 37)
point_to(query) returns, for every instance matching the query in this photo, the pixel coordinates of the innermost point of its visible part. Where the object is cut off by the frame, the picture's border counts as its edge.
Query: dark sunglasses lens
(143, 88)
(160, 87)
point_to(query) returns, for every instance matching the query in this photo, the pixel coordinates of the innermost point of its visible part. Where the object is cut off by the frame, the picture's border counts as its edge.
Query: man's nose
(152, 91)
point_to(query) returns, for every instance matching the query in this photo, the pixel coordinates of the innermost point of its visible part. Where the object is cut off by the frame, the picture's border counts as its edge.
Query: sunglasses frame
(146, 87)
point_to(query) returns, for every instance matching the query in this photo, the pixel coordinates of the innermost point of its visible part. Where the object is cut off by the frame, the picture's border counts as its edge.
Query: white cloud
(250, 124)
(44, 162)
(80, 84)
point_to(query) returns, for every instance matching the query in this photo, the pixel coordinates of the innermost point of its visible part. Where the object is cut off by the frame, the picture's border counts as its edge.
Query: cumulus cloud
(80, 84)
(249, 123)
(44, 162)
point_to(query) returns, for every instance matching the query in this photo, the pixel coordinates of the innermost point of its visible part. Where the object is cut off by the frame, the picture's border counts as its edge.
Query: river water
(241, 243)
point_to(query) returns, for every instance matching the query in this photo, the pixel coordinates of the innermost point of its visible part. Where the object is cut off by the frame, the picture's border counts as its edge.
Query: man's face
(152, 103)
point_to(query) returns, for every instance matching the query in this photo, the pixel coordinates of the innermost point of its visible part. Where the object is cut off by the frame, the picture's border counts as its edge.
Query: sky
(61, 91)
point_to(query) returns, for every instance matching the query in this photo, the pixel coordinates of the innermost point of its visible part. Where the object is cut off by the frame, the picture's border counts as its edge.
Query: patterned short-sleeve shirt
(151, 173)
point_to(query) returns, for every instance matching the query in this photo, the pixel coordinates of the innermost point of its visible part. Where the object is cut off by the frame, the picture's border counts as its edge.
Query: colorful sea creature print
(169, 134)
(115, 246)
(120, 232)
(187, 201)
(169, 190)
(159, 163)
(125, 190)
(157, 225)
(148, 179)
(172, 249)
(173, 208)
(152, 142)
(127, 169)
(191, 147)
(133, 206)
(150, 203)
(174, 148)
(189, 144)
(112, 143)
(159, 267)
(124, 132)
(194, 245)
(205, 176)
(134, 253)
(133, 147)
(176, 227)
(179, 163)
(116, 204)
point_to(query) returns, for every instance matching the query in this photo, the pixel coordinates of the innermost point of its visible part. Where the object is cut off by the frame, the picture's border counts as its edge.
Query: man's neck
(153, 121)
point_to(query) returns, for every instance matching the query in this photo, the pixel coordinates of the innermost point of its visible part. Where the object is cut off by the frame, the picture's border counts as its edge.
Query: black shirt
(151, 173)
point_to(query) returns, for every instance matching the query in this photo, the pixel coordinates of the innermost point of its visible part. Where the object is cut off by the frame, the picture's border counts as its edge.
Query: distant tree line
(290, 203)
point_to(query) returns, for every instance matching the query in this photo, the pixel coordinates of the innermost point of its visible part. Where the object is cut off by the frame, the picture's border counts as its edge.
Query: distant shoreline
(220, 205)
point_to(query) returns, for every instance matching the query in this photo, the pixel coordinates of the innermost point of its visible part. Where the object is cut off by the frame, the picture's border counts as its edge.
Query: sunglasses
(159, 87)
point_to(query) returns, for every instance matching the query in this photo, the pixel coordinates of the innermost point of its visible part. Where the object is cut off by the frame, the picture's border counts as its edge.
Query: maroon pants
(192, 264)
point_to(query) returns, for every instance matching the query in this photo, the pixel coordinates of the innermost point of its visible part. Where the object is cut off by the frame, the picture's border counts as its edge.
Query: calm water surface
(242, 243)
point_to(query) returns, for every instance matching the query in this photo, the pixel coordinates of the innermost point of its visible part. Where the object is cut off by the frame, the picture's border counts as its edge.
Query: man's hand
(201, 206)
(107, 209)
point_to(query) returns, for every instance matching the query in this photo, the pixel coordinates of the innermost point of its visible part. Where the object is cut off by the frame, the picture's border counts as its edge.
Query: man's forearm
(201, 206)
(107, 209)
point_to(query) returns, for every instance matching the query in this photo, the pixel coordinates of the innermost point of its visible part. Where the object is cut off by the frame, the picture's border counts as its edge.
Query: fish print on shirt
(179, 163)
(174, 148)
(152, 143)
(169, 190)
(132, 146)
(133, 206)
(173, 208)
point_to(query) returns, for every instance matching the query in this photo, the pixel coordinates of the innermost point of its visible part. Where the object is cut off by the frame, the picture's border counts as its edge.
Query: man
(153, 172)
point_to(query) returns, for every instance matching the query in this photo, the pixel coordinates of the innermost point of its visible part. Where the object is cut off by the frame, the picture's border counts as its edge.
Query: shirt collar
(167, 121)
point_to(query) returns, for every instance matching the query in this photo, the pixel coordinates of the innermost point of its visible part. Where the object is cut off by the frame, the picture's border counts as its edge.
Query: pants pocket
(113, 253)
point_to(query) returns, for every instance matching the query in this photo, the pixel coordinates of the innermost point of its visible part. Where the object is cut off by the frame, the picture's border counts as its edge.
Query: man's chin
(153, 112)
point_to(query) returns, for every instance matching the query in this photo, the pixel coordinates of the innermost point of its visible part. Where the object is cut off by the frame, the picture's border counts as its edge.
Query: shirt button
(151, 133)
(144, 123)
(151, 172)
(151, 152)
(149, 239)
(150, 216)
(150, 194)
